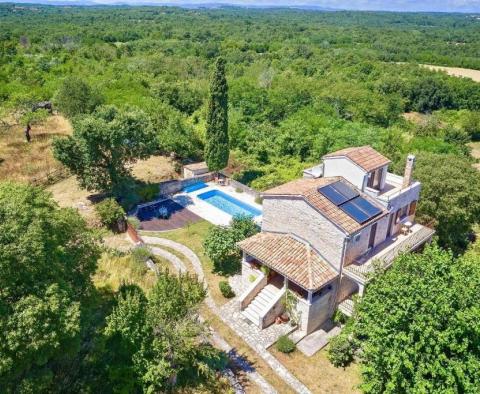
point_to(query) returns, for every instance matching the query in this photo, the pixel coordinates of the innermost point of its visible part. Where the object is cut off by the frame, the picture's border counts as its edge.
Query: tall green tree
(417, 325)
(157, 341)
(47, 256)
(217, 147)
(104, 145)
(75, 97)
(450, 198)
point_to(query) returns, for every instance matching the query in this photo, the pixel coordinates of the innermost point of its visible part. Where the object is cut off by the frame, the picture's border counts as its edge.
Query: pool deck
(180, 217)
(209, 212)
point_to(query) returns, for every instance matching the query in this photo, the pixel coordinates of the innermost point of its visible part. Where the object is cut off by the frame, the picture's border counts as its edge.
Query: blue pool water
(228, 204)
(194, 187)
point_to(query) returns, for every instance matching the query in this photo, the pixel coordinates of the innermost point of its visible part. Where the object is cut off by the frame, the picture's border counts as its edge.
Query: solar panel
(367, 207)
(351, 209)
(338, 193)
(347, 191)
(333, 195)
(360, 209)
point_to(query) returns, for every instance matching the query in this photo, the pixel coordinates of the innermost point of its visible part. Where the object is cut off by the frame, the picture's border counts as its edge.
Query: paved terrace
(387, 251)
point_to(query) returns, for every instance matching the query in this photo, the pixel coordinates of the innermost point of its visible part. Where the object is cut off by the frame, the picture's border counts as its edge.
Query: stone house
(321, 235)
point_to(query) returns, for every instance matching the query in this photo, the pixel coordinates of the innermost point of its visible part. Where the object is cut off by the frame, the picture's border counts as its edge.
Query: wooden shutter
(413, 207)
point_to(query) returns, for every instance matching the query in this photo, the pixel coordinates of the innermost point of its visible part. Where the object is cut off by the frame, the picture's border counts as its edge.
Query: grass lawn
(193, 236)
(318, 374)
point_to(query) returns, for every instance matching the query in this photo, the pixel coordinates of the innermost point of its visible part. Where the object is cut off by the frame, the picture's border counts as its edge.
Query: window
(356, 238)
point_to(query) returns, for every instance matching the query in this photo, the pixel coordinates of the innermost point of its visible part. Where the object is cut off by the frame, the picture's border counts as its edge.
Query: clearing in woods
(456, 71)
(27, 162)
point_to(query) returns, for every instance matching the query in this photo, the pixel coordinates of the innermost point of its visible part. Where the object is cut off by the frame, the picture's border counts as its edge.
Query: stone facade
(297, 217)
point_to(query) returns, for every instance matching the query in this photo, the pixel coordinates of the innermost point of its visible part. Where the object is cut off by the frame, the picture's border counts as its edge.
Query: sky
(388, 5)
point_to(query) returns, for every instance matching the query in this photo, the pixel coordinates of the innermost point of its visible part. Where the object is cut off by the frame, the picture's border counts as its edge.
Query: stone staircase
(257, 308)
(346, 307)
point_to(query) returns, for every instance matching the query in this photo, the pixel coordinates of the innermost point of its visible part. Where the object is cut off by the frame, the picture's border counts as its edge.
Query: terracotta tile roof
(364, 156)
(307, 188)
(196, 166)
(291, 257)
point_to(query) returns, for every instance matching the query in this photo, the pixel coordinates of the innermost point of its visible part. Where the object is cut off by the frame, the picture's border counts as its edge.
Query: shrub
(341, 351)
(259, 200)
(148, 192)
(252, 278)
(239, 190)
(110, 213)
(339, 317)
(134, 222)
(285, 344)
(141, 254)
(226, 289)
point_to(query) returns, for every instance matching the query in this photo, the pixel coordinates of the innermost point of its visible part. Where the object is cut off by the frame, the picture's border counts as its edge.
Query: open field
(22, 161)
(456, 71)
(475, 152)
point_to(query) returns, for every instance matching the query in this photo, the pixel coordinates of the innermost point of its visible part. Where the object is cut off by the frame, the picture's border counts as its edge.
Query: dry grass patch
(113, 271)
(193, 236)
(155, 169)
(27, 162)
(456, 71)
(318, 374)
(475, 146)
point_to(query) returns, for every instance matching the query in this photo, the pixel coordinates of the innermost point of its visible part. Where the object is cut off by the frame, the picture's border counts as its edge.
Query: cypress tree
(216, 144)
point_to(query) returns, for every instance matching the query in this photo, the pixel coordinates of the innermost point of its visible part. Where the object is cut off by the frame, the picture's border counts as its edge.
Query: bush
(134, 222)
(141, 254)
(148, 192)
(341, 351)
(285, 344)
(239, 190)
(226, 289)
(259, 200)
(110, 213)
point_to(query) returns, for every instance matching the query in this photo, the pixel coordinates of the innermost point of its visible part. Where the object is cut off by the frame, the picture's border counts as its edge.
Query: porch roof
(291, 257)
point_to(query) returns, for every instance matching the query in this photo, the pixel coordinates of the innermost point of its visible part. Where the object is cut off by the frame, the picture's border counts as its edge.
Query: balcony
(361, 269)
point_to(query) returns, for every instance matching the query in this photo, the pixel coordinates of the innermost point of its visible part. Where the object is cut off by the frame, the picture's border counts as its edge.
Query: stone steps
(257, 308)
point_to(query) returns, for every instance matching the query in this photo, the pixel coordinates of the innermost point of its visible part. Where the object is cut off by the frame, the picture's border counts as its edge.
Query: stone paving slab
(318, 339)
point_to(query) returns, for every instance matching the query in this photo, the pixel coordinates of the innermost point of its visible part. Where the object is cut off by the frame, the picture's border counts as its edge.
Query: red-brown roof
(364, 156)
(294, 259)
(307, 188)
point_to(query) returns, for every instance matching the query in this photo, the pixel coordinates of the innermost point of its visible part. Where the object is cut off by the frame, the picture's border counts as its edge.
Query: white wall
(340, 166)
(295, 216)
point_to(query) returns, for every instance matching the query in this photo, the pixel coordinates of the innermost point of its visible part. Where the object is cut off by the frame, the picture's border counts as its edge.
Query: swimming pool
(229, 204)
(194, 187)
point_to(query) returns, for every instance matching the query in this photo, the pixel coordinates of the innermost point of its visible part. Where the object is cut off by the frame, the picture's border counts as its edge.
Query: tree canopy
(217, 148)
(417, 325)
(76, 97)
(104, 145)
(47, 256)
(158, 340)
(450, 197)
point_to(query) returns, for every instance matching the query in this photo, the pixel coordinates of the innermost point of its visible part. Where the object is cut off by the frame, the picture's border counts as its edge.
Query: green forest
(300, 84)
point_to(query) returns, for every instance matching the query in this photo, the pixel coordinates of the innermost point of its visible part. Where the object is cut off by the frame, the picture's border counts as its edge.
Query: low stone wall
(245, 188)
(176, 185)
(274, 310)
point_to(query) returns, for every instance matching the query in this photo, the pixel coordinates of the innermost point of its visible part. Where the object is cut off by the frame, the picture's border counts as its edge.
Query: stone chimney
(407, 176)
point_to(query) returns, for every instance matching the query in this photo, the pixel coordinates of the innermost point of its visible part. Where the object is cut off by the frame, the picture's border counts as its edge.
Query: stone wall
(358, 246)
(315, 314)
(347, 288)
(295, 216)
(176, 185)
